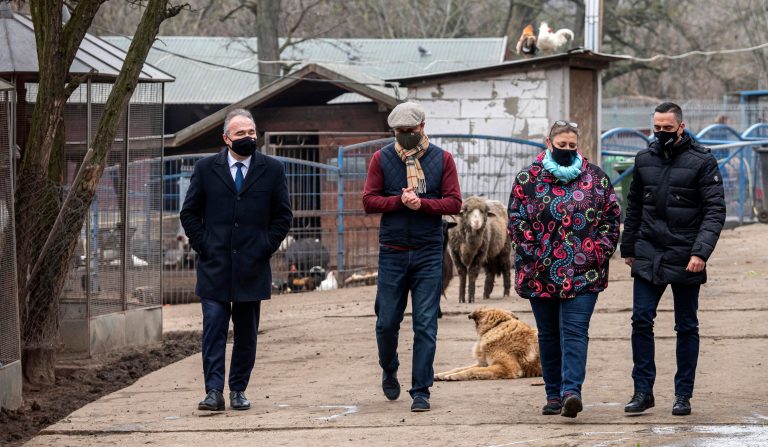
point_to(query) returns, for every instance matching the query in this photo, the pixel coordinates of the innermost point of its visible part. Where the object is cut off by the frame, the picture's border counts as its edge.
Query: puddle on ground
(717, 435)
(348, 409)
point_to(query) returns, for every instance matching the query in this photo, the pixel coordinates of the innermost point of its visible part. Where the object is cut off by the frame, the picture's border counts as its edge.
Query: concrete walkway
(316, 380)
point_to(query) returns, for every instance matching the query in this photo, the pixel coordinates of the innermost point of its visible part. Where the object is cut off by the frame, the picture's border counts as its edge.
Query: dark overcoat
(236, 233)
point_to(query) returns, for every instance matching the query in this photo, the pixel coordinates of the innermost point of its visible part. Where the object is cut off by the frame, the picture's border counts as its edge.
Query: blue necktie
(239, 176)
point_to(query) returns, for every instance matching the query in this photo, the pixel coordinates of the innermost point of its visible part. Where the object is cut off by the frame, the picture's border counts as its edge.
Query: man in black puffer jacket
(675, 211)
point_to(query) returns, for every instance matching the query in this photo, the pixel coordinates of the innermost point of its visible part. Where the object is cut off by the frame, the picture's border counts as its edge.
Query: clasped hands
(410, 199)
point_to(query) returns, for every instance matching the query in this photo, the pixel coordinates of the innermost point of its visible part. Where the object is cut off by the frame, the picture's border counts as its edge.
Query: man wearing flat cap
(412, 183)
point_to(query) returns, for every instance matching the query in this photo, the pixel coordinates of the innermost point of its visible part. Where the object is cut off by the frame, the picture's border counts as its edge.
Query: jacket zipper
(661, 193)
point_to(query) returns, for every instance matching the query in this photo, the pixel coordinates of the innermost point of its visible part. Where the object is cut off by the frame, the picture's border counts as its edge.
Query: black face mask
(666, 140)
(245, 146)
(408, 140)
(563, 157)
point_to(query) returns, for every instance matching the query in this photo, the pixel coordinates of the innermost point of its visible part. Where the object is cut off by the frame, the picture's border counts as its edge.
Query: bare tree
(267, 14)
(641, 28)
(43, 254)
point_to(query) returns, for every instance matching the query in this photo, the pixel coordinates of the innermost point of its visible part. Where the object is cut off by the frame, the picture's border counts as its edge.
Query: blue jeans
(245, 325)
(563, 339)
(420, 272)
(645, 302)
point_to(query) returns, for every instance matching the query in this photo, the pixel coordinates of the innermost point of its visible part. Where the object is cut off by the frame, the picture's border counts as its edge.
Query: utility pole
(593, 25)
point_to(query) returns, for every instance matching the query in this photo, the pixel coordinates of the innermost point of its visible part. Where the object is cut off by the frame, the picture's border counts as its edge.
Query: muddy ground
(316, 379)
(79, 382)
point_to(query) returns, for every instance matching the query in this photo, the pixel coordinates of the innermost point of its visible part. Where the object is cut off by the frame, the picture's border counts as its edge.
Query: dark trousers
(563, 341)
(245, 322)
(420, 272)
(645, 303)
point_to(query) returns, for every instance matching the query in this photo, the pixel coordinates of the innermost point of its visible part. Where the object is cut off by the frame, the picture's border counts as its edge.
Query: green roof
(224, 77)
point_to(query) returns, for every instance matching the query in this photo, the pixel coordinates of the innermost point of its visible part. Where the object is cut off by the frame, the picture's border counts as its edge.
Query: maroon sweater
(375, 202)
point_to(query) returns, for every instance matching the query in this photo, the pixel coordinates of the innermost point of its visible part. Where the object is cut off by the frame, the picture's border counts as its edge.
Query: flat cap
(407, 114)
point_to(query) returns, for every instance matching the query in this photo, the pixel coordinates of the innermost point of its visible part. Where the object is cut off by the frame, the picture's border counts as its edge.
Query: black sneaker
(682, 406)
(571, 406)
(420, 403)
(552, 407)
(390, 386)
(639, 403)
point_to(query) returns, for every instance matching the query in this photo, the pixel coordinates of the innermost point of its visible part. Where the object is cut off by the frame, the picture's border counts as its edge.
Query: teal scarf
(563, 173)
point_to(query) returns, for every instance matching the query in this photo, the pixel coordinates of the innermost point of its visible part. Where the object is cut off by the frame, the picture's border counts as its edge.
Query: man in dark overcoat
(235, 214)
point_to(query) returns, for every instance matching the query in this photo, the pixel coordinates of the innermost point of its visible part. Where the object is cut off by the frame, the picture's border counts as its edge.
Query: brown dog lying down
(507, 349)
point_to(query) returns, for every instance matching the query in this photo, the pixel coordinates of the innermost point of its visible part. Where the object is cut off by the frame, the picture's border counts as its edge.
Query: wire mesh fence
(116, 263)
(332, 233)
(741, 164)
(10, 350)
(487, 165)
(637, 113)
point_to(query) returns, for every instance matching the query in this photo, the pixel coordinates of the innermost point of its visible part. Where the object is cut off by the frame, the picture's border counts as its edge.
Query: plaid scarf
(414, 173)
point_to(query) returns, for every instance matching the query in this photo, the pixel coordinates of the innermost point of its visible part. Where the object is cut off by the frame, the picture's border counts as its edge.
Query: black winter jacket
(675, 210)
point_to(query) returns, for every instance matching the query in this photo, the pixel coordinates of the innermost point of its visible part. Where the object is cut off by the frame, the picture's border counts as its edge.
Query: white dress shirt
(233, 168)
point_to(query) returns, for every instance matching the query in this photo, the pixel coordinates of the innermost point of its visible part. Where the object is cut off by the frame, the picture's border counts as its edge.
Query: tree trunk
(37, 197)
(48, 233)
(39, 365)
(267, 20)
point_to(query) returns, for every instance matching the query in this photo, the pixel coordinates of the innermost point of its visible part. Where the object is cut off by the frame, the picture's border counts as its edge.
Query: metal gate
(486, 166)
(330, 231)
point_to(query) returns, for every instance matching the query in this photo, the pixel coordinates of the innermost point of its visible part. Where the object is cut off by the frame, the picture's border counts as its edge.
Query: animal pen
(112, 295)
(330, 230)
(10, 349)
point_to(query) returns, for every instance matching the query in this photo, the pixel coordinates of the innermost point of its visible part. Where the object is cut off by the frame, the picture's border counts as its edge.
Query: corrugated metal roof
(211, 82)
(528, 63)
(18, 52)
(356, 82)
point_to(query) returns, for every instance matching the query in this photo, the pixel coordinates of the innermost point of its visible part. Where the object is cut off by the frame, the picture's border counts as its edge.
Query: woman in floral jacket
(564, 222)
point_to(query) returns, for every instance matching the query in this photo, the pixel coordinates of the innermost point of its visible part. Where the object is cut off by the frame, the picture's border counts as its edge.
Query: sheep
(480, 240)
(447, 262)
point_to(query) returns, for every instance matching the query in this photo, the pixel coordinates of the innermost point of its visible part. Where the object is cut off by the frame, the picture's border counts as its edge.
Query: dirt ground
(79, 382)
(317, 381)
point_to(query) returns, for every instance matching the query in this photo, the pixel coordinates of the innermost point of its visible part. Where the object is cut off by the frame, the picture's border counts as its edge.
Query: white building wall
(510, 105)
(518, 105)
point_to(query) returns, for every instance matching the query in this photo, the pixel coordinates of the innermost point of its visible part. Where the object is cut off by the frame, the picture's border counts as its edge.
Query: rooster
(526, 45)
(551, 41)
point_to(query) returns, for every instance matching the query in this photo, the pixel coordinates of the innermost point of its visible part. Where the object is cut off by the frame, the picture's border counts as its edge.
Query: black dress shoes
(682, 406)
(639, 403)
(238, 401)
(390, 385)
(214, 401)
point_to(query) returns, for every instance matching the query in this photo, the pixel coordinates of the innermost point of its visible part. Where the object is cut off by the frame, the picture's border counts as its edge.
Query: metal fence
(118, 261)
(738, 158)
(487, 165)
(330, 231)
(10, 350)
(637, 113)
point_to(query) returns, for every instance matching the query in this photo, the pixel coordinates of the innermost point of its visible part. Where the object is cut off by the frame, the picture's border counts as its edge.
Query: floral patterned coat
(563, 233)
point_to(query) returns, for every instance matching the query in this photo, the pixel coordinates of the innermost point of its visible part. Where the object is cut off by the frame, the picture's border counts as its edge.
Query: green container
(622, 189)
